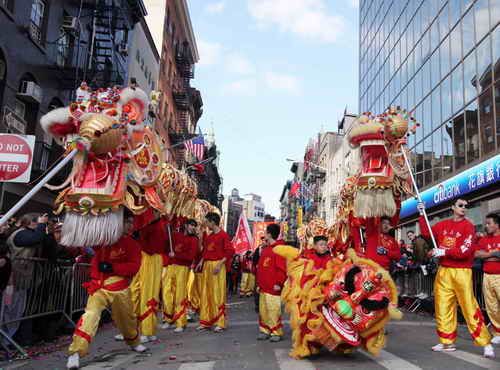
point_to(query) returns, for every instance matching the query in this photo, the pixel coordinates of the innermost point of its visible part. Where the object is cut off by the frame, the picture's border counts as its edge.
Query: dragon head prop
(121, 162)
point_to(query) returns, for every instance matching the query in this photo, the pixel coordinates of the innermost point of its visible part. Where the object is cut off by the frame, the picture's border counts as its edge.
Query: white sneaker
(73, 361)
(139, 348)
(179, 330)
(489, 352)
(146, 339)
(165, 325)
(119, 337)
(442, 348)
(496, 340)
(218, 329)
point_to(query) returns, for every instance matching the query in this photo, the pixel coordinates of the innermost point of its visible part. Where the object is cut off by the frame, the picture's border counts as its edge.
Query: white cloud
(245, 87)
(283, 82)
(209, 52)
(215, 8)
(239, 64)
(309, 19)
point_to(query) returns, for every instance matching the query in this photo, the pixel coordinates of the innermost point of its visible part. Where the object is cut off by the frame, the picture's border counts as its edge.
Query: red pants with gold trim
(270, 314)
(145, 289)
(213, 296)
(452, 286)
(120, 303)
(174, 294)
(491, 291)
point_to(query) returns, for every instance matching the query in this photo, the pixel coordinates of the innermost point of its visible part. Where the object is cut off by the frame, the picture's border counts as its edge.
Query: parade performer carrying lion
(345, 303)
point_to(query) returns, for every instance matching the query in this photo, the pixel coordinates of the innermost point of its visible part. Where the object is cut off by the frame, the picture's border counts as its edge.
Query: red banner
(242, 240)
(259, 230)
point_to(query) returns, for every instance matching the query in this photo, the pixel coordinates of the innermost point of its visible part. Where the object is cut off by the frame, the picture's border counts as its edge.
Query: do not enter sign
(16, 157)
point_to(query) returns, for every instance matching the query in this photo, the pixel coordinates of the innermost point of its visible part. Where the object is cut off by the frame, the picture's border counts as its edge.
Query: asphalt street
(408, 347)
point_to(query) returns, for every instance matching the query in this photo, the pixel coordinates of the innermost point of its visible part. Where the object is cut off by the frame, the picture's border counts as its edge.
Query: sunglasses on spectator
(462, 205)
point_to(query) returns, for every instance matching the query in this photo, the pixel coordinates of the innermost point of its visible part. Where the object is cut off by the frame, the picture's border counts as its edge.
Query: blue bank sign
(474, 178)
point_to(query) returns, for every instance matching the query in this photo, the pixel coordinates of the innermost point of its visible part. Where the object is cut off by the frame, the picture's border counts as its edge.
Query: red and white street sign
(16, 157)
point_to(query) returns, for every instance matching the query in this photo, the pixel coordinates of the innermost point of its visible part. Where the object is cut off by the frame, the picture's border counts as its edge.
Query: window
(63, 48)
(7, 4)
(37, 13)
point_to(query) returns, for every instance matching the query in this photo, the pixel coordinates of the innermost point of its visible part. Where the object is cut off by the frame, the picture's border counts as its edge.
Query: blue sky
(272, 73)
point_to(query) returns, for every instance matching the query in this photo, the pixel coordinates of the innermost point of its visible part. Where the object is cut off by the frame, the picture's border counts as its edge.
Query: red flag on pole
(242, 240)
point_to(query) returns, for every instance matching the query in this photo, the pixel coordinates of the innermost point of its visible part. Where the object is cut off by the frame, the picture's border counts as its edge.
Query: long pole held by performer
(37, 187)
(418, 195)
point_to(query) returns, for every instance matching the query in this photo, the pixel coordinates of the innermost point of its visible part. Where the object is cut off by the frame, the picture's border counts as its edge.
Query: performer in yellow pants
(146, 293)
(217, 250)
(247, 284)
(488, 249)
(213, 295)
(111, 269)
(194, 289)
(454, 285)
(175, 299)
(270, 315)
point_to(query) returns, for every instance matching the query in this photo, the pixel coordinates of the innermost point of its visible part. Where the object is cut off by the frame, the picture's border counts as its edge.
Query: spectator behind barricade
(24, 243)
(5, 264)
(421, 248)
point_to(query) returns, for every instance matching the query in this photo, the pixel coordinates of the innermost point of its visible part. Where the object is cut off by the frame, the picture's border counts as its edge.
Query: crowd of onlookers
(22, 241)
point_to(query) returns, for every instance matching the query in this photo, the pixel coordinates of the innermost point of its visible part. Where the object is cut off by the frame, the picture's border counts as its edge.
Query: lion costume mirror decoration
(121, 162)
(347, 304)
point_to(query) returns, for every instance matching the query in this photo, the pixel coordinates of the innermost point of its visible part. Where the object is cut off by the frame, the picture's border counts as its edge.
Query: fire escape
(182, 92)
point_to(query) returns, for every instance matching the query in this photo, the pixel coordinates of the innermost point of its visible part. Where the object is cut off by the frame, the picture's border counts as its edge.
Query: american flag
(196, 146)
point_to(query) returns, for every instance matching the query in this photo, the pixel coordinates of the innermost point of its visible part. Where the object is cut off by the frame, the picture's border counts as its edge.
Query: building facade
(181, 104)
(231, 211)
(47, 48)
(441, 60)
(144, 60)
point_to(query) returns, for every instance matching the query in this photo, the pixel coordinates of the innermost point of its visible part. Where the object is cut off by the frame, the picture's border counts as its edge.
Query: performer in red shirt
(145, 287)
(216, 254)
(488, 249)
(271, 276)
(380, 246)
(112, 268)
(181, 256)
(247, 276)
(320, 253)
(453, 281)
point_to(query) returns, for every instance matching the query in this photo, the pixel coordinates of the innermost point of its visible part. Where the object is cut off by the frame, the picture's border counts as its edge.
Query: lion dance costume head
(121, 163)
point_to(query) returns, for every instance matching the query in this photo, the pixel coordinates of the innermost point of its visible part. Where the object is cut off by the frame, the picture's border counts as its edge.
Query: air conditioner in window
(123, 48)
(30, 92)
(70, 24)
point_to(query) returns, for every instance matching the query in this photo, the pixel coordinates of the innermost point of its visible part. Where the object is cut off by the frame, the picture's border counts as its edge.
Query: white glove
(439, 252)
(421, 208)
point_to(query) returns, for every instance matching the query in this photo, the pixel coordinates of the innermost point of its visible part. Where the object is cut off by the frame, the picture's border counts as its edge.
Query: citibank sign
(475, 178)
(444, 193)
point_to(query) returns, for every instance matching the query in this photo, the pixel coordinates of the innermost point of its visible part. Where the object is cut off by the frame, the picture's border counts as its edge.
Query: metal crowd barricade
(42, 288)
(78, 294)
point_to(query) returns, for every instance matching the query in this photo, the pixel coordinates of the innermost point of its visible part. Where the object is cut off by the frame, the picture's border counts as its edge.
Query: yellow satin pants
(194, 290)
(122, 313)
(452, 286)
(145, 289)
(247, 284)
(491, 291)
(270, 314)
(213, 295)
(174, 294)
